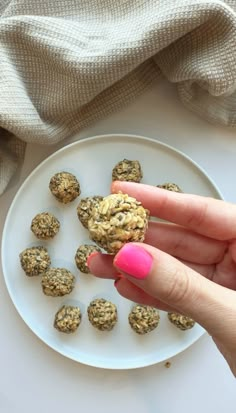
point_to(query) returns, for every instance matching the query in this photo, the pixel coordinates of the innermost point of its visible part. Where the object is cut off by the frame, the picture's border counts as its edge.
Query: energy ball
(35, 260)
(116, 220)
(170, 187)
(181, 321)
(102, 314)
(127, 171)
(67, 319)
(82, 255)
(57, 282)
(65, 187)
(45, 226)
(143, 319)
(85, 207)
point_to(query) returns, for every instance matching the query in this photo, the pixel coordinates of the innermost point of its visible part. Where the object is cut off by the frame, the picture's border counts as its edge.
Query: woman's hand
(187, 265)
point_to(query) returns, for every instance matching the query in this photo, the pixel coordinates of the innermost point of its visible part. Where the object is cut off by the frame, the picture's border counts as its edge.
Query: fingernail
(134, 261)
(90, 257)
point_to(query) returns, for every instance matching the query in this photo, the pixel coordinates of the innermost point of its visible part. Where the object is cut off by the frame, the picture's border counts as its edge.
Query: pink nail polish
(134, 261)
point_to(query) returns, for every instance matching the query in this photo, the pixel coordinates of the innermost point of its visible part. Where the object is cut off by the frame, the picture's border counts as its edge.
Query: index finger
(207, 216)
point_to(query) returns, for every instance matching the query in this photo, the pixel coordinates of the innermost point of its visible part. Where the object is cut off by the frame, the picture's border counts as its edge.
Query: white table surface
(34, 378)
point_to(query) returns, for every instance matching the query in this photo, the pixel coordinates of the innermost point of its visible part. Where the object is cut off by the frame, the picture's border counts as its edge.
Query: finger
(225, 271)
(211, 217)
(205, 270)
(101, 265)
(184, 243)
(130, 291)
(180, 287)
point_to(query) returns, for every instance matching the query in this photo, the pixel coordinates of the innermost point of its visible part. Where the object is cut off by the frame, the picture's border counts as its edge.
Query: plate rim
(157, 142)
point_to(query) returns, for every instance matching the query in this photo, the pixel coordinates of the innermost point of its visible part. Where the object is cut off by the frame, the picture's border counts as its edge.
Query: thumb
(167, 279)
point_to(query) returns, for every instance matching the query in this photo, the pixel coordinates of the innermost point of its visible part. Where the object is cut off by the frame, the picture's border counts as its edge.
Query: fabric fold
(64, 65)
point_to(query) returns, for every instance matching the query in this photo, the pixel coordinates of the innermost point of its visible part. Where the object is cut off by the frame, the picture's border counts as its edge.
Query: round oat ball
(143, 319)
(57, 282)
(116, 220)
(102, 314)
(65, 187)
(85, 207)
(82, 255)
(35, 260)
(181, 321)
(45, 226)
(170, 187)
(127, 171)
(67, 319)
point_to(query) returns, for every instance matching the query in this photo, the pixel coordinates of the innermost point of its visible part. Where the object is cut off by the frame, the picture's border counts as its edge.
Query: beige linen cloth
(66, 63)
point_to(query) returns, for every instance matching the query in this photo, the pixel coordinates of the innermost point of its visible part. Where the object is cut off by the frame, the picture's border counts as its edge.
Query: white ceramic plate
(92, 160)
